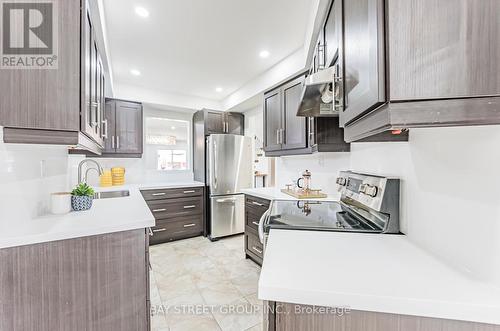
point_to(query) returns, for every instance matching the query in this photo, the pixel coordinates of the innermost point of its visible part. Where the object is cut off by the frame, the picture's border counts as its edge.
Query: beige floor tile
(197, 263)
(159, 322)
(258, 327)
(240, 268)
(247, 284)
(254, 300)
(192, 322)
(220, 294)
(209, 277)
(170, 288)
(238, 315)
(234, 242)
(195, 282)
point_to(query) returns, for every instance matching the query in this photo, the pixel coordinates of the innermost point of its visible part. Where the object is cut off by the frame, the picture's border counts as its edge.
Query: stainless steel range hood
(317, 95)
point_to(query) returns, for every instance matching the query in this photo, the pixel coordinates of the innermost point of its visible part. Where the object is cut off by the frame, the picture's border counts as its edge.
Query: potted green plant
(82, 197)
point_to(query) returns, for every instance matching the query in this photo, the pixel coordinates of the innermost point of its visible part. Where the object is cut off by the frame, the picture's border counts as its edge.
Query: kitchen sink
(112, 194)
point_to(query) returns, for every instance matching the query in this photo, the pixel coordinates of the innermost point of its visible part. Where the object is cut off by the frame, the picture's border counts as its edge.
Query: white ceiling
(190, 47)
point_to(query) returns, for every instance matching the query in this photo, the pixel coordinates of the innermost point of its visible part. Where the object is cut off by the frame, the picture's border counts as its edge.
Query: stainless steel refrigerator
(229, 169)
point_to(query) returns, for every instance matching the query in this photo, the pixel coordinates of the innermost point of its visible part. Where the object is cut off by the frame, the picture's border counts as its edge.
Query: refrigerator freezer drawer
(227, 215)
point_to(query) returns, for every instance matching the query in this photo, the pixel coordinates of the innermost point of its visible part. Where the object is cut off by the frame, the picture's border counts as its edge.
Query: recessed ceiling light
(264, 54)
(219, 89)
(172, 127)
(142, 12)
(135, 72)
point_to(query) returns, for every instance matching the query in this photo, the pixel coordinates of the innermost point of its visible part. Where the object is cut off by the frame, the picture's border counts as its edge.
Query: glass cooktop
(318, 215)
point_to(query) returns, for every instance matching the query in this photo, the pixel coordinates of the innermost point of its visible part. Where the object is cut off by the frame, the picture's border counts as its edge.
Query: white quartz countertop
(105, 216)
(371, 272)
(274, 193)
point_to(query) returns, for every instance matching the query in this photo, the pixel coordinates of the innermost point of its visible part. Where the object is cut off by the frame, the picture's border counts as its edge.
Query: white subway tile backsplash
(28, 174)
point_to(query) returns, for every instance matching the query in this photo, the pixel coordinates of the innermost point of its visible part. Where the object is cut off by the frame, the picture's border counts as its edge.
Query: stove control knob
(371, 190)
(341, 181)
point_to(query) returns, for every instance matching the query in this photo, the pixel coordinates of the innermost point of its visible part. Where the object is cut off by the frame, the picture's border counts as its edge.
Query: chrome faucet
(98, 169)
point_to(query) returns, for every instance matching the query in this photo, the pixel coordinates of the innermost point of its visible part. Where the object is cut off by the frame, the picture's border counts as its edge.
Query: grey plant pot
(79, 203)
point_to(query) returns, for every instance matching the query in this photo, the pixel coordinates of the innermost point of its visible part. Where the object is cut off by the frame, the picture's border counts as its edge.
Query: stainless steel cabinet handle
(105, 129)
(150, 232)
(257, 204)
(158, 194)
(282, 137)
(255, 223)
(186, 192)
(113, 142)
(159, 210)
(226, 200)
(277, 136)
(189, 207)
(257, 250)
(160, 230)
(189, 225)
(117, 142)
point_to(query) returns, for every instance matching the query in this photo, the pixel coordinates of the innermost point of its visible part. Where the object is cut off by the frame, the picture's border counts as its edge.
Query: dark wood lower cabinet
(254, 209)
(293, 317)
(179, 213)
(92, 283)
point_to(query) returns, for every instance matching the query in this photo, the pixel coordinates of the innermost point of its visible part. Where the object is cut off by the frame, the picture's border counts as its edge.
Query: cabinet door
(128, 127)
(235, 123)
(443, 49)
(110, 118)
(364, 57)
(86, 113)
(294, 134)
(272, 121)
(333, 32)
(214, 122)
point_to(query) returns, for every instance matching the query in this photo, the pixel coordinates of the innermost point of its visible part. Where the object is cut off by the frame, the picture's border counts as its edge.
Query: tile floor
(201, 285)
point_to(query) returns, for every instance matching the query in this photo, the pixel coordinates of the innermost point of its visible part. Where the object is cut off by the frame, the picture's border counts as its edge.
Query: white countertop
(274, 193)
(105, 216)
(371, 272)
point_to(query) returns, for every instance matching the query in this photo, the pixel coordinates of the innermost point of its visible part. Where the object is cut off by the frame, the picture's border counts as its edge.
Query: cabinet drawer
(172, 208)
(253, 246)
(179, 228)
(257, 204)
(161, 194)
(252, 220)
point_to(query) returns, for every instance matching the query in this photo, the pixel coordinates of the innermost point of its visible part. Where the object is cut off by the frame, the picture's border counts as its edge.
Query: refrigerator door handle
(214, 161)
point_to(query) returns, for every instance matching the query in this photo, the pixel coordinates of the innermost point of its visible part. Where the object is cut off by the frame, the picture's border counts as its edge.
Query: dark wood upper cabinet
(405, 66)
(219, 122)
(294, 128)
(124, 121)
(63, 105)
(364, 62)
(215, 122)
(333, 33)
(285, 133)
(272, 120)
(235, 123)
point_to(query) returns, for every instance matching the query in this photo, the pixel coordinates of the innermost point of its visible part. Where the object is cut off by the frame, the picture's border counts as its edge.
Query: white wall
(450, 194)
(253, 128)
(28, 174)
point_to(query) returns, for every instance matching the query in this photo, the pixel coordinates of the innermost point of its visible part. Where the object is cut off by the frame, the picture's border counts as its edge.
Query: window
(168, 140)
(172, 159)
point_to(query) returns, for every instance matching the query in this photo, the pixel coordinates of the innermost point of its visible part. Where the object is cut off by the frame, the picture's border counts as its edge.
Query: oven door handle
(261, 225)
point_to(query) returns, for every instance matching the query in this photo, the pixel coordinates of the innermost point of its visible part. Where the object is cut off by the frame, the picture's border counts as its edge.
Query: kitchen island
(385, 279)
(81, 271)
